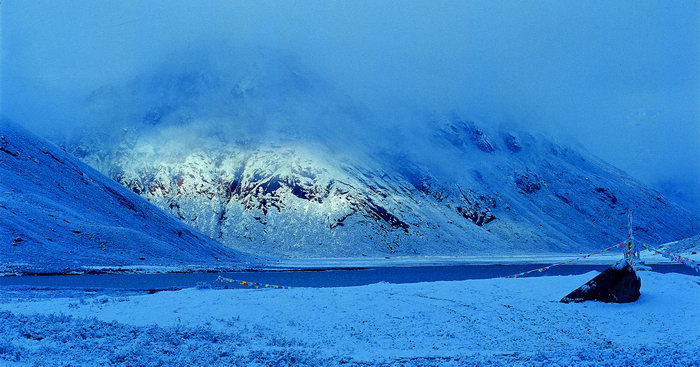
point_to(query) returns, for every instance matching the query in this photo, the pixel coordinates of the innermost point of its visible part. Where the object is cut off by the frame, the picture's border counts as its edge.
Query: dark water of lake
(316, 279)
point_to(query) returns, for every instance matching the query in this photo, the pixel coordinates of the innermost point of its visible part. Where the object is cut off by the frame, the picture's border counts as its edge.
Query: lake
(303, 278)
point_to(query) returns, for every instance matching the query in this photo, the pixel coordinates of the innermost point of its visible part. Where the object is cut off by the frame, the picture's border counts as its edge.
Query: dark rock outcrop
(461, 133)
(618, 284)
(477, 208)
(606, 196)
(512, 143)
(527, 183)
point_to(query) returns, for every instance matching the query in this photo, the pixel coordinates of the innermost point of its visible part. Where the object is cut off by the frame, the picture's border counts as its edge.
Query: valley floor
(493, 322)
(607, 258)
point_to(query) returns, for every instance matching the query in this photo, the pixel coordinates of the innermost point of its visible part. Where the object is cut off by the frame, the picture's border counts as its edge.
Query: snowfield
(494, 322)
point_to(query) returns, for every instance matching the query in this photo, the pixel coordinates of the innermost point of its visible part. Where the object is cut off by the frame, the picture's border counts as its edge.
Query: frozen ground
(476, 322)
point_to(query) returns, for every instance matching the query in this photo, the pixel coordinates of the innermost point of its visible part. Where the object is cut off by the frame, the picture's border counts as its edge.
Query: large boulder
(619, 284)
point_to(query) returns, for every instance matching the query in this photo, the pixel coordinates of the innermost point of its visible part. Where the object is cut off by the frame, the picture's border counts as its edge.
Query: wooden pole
(632, 250)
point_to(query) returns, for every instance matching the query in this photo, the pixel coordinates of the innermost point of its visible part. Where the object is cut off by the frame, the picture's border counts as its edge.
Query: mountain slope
(502, 193)
(58, 214)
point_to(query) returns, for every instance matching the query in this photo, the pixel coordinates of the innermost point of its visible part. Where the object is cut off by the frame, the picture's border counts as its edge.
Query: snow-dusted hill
(685, 247)
(266, 158)
(58, 214)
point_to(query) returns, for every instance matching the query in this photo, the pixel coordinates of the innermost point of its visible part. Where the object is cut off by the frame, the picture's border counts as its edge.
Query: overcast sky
(621, 78)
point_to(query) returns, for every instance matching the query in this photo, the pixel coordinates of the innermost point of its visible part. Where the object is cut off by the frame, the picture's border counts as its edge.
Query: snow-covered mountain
(268, 159)
(508, 193)
(57, 214)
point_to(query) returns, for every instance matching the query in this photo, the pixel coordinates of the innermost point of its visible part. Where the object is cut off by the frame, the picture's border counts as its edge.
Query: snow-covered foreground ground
(474, 322)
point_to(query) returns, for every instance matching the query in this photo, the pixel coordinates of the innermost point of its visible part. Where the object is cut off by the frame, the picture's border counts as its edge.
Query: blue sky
(621, 79)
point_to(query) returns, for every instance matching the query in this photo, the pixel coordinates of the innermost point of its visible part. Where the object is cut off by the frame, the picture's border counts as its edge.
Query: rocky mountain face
(58, 215)
(501, 192)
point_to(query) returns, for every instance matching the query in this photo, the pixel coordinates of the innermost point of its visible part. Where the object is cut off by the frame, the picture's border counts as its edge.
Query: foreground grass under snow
(476, 322)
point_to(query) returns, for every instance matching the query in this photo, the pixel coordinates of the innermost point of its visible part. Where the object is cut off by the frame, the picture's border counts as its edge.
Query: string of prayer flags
(677, 258)
(540, 270)
(251, 284)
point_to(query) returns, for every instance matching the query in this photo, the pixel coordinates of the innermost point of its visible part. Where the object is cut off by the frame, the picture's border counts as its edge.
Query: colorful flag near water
(540, 270)
(677, 258)
(221, 279)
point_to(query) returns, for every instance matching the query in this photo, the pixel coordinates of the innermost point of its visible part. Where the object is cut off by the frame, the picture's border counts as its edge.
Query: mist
(621, 80)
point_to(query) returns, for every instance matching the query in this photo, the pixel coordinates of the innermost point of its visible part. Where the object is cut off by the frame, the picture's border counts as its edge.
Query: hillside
(58, 215)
